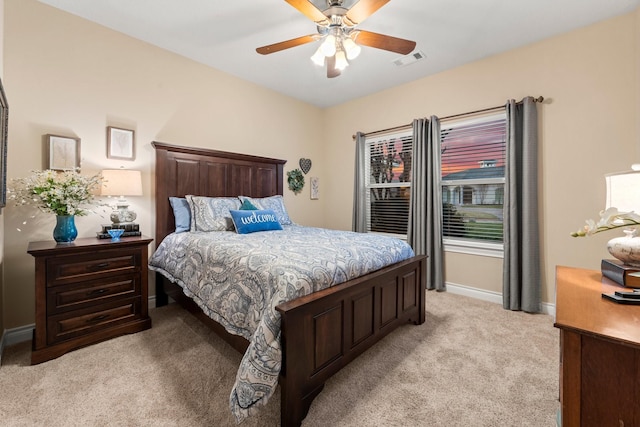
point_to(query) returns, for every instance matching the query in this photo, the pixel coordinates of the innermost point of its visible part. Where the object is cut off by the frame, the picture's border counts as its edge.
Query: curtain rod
(455, 116)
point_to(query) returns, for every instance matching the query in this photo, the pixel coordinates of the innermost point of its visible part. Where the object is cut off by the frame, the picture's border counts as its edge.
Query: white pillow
(211, 213)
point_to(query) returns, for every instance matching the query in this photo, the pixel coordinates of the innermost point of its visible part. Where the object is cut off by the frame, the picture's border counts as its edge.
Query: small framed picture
(120, 144)
(315, 187)
(63, 152)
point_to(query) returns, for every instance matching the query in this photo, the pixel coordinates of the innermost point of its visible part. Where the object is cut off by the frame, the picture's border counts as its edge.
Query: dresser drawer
(79, 295)
(82, 322)
(64, 270)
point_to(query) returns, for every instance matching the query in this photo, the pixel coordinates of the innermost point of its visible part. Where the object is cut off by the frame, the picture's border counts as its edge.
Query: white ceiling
(225, 34)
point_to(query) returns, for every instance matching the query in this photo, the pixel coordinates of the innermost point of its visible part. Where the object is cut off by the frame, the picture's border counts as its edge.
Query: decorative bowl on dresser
(88, 291)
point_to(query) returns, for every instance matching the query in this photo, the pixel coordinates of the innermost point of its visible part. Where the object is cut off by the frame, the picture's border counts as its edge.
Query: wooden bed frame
(321, 332)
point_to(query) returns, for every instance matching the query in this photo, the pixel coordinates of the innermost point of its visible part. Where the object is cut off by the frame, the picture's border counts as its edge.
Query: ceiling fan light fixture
(341, 60)
(328, 46)
(351, 48)
(318, 57)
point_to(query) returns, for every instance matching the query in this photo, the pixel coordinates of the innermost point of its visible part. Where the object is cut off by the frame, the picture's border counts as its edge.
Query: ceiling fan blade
(381, 41)
(332, 71)
(309, 10)
(363, 9)
(277, 47)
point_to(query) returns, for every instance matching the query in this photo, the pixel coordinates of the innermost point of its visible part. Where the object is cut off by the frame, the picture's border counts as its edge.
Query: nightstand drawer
(63, 270)
(81, 322)
(79, 295)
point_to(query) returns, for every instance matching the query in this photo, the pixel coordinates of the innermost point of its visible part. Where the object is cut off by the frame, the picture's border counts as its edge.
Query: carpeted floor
(471, 364)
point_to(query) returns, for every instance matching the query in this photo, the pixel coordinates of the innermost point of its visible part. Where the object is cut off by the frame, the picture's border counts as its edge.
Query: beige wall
(588, 127)
(67, 76)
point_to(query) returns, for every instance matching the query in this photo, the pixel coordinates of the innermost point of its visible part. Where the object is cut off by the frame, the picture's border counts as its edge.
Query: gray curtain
(359, 222)
(521, 275)
(424, 233)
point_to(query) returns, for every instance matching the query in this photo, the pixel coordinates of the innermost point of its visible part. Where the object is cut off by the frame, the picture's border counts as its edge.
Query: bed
(320, 332)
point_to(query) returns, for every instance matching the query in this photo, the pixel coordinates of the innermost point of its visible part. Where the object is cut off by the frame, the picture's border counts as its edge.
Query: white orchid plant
(609, 220)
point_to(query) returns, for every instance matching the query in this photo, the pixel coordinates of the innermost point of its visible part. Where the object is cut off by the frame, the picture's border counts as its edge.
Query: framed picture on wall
(315, 187)
(4, 121)
(63, 152)
(120, 143)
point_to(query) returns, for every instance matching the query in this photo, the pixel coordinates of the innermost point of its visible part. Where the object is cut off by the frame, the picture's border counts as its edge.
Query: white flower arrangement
(609, 219)
(60, 193)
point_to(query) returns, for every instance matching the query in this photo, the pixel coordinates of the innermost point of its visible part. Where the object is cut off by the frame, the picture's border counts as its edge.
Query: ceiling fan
(336, 26)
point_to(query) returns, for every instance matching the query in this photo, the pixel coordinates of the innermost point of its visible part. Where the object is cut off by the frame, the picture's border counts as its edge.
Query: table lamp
(623, 193)
(121, 183)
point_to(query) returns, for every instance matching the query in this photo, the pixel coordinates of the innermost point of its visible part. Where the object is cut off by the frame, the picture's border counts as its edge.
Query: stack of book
(622, 274)
(131, 229)
(625, 275)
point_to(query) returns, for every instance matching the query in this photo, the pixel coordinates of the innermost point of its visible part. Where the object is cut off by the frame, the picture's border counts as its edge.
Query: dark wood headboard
(203, 172)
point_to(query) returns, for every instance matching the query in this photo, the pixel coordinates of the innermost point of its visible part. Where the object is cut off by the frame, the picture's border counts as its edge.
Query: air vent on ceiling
(410, 59)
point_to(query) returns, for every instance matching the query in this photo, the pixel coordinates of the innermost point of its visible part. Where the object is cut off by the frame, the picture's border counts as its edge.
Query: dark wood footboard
(324, 331)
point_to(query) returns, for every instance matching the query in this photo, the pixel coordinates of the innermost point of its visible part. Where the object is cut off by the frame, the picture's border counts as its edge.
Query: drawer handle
(101, 265)
(98, 318)
(97, 292)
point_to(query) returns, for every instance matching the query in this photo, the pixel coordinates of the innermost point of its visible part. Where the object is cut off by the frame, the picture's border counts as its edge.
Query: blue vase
(65, 230)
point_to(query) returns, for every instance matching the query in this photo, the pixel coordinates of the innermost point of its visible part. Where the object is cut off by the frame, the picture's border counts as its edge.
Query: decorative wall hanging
(305, 165)
(295, 180)
(120, 144)
(63, 153)
(314, 182)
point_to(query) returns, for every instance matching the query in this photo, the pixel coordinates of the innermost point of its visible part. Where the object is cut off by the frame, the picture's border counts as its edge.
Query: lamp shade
(121, 182)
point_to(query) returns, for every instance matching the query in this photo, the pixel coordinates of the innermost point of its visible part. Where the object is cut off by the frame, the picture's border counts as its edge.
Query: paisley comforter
(238, 280)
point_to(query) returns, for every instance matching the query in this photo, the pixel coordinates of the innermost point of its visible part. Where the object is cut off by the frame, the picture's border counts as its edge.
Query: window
(388, 172)
(473, 164)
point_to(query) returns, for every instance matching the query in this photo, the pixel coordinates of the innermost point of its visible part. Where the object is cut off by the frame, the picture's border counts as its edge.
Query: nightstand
(88, 291)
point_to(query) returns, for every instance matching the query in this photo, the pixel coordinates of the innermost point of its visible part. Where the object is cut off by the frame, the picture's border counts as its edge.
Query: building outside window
(473, 165)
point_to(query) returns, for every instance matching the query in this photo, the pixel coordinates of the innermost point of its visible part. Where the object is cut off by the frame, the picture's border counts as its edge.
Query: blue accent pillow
(250, 221)
(275, 203)
(247, 206)
(181, 213)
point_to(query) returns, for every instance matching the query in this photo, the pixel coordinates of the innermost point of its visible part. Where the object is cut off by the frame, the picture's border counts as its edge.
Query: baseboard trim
(25, 333)
(2, 346)
(490, 296)
(18, 335)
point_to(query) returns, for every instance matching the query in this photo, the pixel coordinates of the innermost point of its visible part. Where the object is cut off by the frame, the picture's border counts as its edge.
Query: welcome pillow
(275, 203)
(250, 221)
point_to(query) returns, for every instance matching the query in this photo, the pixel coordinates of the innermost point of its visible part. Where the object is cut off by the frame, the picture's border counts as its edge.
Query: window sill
(494, 250)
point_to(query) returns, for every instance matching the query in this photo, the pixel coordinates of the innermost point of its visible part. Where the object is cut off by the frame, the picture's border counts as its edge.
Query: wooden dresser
(599, 352)
(88, 291)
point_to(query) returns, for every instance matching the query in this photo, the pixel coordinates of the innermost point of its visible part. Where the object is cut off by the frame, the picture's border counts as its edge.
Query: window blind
(473, 159)
(388, 168)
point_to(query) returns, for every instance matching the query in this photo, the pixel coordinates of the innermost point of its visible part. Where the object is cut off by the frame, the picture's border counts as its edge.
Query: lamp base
(626, 249)
(122, 214)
